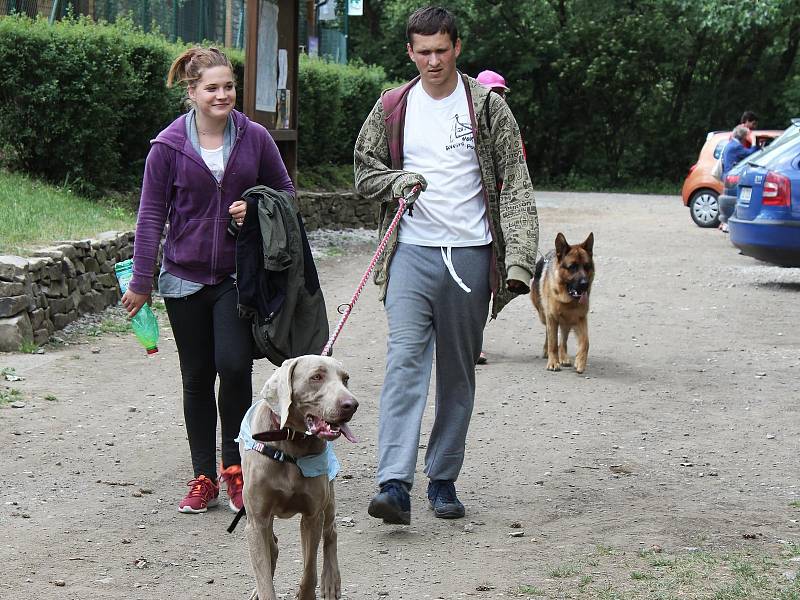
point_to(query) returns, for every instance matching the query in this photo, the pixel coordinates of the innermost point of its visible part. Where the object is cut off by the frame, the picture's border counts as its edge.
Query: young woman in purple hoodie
(194, 177)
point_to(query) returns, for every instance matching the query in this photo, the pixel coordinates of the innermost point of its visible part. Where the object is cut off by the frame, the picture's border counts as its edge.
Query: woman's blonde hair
(187, 69)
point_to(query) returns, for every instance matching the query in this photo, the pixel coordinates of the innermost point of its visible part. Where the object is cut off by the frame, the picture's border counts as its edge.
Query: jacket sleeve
(518, 218)
(374, 177)
(271, 170)
(153, 210)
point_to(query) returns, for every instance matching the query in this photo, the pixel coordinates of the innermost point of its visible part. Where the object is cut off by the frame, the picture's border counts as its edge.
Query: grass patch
(51, 398)
(8, 395)
(705, 574)
(592, 184)
(795, 504)
(529, 590)
(602, 550)
(609, 593)
(10, 371)
(109, 326)
(35, 214)
(564, 571)
(327, 178)
(28, 347)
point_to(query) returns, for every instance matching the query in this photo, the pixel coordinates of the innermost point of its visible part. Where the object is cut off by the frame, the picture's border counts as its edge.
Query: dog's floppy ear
(279, 387)
(562, 247)
(588, 243)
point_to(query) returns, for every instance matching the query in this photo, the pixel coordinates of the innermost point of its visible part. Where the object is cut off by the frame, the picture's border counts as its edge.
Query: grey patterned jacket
(507, 187)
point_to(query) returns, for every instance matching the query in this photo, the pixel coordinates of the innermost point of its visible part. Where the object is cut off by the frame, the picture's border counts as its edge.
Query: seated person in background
(734, 152)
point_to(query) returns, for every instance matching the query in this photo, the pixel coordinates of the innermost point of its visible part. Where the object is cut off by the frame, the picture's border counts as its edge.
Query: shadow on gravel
(782, 286)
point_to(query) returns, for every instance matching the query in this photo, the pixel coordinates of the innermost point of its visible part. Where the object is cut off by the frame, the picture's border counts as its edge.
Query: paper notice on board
(283, 68)
(267, 58)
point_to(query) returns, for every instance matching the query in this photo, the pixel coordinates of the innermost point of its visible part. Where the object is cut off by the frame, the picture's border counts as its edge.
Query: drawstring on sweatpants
(447, 257)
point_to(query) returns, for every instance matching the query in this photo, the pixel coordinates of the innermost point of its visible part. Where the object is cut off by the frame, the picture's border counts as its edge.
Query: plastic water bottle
(144, 323)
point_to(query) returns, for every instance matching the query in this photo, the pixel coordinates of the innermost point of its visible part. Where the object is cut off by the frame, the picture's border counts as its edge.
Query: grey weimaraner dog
(312, 406)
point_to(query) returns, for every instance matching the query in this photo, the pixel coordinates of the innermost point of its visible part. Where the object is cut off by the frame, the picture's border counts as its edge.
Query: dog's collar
(280, 434)
(277, 435)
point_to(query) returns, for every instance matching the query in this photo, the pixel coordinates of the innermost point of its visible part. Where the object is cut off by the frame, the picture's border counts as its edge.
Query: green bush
(81, 100)
(333, 102)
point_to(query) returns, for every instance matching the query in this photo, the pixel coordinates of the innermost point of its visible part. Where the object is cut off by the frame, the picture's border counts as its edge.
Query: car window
(719, 148)
(787, 140)
(788, 135)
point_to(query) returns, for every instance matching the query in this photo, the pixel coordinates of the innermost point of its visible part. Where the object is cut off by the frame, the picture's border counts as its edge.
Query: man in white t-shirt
(472, 236)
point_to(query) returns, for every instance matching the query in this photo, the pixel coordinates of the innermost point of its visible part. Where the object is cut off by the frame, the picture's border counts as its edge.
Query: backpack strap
(393, 101)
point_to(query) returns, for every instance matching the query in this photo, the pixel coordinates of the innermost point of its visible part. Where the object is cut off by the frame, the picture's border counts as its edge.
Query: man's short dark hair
(431, 20)
(748, 115)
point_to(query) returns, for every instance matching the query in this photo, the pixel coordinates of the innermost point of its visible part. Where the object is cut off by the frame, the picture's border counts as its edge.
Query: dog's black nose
(348, 405)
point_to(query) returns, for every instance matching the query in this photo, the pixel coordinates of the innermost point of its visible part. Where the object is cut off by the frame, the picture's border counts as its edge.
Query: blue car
(727, 198)
(766, 219)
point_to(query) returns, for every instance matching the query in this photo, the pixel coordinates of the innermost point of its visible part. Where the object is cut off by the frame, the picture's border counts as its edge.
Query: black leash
(242, 512)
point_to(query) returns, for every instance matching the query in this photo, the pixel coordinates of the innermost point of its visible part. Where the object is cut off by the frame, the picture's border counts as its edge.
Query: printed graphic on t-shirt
(439, 144)
(461, 135)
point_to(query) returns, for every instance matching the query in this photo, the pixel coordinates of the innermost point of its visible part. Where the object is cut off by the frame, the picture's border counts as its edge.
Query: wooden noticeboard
(270, 73)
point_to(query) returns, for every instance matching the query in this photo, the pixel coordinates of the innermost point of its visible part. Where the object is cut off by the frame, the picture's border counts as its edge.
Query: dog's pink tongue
(584, 298)
(345, 430)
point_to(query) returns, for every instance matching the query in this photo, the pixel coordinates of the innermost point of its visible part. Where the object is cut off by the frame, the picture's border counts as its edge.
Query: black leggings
(211, 340)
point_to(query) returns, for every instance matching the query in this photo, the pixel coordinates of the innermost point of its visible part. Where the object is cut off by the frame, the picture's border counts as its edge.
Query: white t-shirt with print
(438, 143)
(214, 161)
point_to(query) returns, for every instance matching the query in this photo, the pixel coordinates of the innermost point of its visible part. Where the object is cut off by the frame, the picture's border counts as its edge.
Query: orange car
(700, 189)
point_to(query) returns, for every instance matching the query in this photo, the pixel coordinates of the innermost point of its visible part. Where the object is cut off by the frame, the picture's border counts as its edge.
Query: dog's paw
(254, 595)
(580, 367)
(330, 586)
(565, 362)
(553, 365)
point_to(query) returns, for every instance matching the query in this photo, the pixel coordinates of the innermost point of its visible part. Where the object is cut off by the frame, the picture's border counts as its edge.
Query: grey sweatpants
(427, 309)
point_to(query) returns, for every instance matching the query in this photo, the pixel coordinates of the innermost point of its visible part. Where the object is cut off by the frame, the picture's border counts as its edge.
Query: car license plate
(744, 195)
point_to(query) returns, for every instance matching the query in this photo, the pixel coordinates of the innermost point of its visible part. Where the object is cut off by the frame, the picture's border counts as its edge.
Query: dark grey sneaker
(392, 504)
(443, 499)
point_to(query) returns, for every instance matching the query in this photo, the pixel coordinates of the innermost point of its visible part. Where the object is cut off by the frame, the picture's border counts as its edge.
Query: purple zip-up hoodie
(180, 187)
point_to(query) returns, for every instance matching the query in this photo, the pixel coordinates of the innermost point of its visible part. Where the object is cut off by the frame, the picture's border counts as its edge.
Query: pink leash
(346, 309)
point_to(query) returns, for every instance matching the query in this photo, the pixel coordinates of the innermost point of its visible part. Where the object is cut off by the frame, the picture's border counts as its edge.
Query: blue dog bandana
(310, 466)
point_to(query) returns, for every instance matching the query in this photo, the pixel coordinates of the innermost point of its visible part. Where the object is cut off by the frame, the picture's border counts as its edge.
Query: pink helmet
(490, 79)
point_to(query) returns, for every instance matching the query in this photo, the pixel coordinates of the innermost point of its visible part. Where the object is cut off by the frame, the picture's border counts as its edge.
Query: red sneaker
(232, 476)
(202, 493)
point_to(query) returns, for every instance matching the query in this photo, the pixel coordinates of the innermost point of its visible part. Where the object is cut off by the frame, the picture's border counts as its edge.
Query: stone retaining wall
(337, 210)
(43, 293)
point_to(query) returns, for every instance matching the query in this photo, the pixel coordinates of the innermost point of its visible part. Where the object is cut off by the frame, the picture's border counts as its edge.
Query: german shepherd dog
(560, 292)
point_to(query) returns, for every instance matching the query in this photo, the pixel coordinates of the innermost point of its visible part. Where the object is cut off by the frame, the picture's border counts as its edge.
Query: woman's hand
(237, 211)
(133, 302)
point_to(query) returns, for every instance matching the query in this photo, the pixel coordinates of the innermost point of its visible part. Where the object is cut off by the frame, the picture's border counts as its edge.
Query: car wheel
(704, 208)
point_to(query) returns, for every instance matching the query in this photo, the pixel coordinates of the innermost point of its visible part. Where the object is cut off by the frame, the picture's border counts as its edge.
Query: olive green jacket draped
(507, 187)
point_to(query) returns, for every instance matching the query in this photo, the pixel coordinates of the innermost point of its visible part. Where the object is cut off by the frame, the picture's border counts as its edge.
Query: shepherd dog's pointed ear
(278, 389)
(588, 243)
(562, 247)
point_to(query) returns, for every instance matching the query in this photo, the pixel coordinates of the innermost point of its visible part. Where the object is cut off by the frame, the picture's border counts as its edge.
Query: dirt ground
(667, 470)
